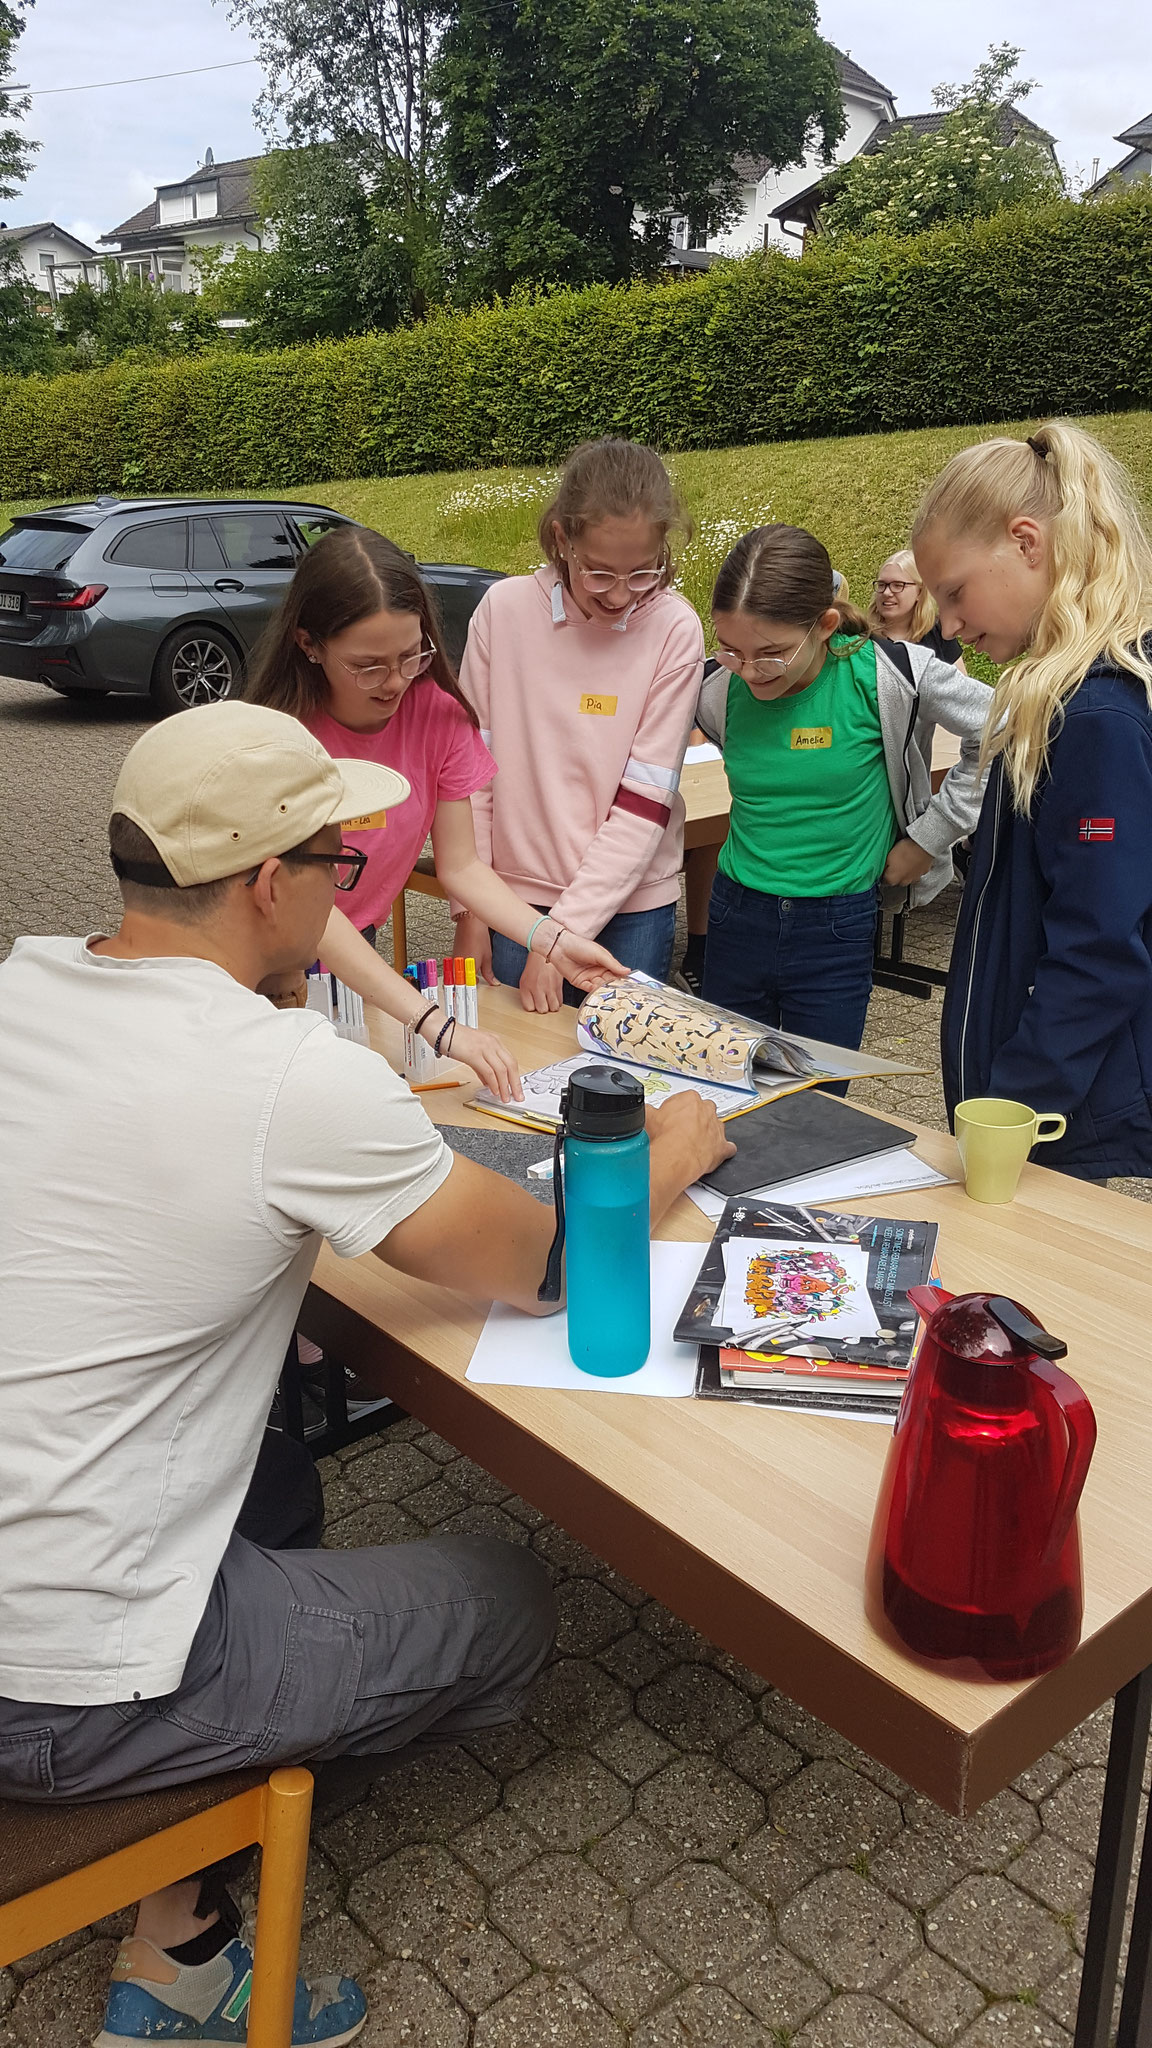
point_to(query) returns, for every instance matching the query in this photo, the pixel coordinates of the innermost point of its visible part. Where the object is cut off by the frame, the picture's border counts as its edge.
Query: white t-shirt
(172, 1151)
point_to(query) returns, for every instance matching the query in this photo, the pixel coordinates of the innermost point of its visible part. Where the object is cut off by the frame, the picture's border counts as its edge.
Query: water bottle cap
(603, 1102)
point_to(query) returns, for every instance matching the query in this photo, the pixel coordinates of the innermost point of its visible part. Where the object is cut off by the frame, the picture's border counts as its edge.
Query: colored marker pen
(449, 1004)
(472, 997)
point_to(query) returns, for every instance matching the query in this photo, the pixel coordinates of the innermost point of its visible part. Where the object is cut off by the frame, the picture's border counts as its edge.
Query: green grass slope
(858, 494)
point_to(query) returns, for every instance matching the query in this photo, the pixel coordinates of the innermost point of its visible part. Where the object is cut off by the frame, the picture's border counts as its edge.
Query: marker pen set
(341, 1005)
(457, 996)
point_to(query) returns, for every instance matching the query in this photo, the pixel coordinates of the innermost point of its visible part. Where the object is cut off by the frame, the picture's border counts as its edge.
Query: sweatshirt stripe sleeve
(622, 849)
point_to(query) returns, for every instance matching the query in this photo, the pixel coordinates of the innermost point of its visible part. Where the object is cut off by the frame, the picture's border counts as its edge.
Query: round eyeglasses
(769, 668)
(372, 673)
(600, 581)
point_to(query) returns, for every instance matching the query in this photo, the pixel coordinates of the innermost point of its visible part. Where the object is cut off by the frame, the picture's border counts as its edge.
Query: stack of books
(808, 1308)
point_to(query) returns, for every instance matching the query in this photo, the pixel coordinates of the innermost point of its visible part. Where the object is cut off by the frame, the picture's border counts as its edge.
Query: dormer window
(189, 202)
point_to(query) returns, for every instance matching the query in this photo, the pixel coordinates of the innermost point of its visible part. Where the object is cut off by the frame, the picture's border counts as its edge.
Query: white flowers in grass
(491, 494)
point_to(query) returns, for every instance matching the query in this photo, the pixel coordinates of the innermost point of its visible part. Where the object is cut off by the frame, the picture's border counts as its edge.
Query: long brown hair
(349, 574)
(784, 573)
(612, 479)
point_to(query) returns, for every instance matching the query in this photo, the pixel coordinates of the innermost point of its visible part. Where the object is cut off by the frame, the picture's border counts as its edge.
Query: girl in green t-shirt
(827, 741)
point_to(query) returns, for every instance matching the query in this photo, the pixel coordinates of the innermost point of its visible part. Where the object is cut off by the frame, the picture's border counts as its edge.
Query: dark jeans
(638, 938)
(803, 963)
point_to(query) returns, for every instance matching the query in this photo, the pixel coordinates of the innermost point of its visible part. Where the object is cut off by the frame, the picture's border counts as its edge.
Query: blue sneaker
(199, 2005)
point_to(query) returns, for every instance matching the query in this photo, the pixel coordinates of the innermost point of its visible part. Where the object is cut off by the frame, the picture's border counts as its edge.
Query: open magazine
(675, 1043)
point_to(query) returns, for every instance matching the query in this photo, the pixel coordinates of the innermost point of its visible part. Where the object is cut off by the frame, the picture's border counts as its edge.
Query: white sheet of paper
(855, 1321)
(704, 752)
(515, 1350)
(886, 1173)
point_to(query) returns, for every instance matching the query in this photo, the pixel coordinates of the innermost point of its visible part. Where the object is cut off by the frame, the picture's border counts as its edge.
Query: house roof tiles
(237, 202)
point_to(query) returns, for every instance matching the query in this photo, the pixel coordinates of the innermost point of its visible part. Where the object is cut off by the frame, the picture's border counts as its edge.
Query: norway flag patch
(1097, 828)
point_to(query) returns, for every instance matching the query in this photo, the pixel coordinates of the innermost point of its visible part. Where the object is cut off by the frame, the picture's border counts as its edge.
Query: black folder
(799, 1134)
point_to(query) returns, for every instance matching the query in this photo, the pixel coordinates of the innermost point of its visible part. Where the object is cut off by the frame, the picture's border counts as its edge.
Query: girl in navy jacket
(1036, 553)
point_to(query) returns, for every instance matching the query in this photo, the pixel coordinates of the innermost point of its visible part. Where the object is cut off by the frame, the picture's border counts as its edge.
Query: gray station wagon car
(166, 597)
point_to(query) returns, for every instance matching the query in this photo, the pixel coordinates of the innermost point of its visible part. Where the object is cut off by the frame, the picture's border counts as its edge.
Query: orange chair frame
(276, 1814)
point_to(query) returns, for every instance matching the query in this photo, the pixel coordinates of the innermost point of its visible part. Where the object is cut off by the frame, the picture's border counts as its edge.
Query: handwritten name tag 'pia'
(599, 707)
(806, 737)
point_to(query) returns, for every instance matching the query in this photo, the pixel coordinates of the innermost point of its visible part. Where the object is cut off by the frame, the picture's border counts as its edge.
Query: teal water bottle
(606, 1199)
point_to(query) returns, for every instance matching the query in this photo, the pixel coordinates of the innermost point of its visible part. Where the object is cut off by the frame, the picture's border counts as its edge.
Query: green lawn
(858, 494)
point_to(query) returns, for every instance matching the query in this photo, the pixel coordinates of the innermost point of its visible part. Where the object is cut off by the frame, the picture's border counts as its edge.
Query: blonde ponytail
(1100, 602)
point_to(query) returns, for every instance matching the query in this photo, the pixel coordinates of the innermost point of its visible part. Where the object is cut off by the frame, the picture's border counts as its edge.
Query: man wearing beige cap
(172, 1151)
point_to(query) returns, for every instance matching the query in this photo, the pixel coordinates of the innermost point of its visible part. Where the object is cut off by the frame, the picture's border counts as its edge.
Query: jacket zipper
(976, 934)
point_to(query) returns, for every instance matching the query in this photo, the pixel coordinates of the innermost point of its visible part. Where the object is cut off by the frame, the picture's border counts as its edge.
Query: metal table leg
(1114, 1857)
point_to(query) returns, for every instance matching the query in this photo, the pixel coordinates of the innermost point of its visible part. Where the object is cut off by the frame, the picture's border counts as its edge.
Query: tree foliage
(336, 260)
(353, 73)
(973, 165)
(563, 117)
(16, 151)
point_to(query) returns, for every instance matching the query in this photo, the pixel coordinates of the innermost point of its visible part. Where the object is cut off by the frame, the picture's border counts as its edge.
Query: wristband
(560, 931)
(422, 1019)
(542, 919)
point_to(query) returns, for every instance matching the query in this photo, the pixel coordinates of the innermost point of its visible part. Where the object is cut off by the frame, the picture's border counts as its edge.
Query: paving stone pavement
(666, 1852)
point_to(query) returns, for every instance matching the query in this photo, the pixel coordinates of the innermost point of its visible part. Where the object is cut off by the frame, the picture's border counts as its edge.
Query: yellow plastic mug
(995, 1138)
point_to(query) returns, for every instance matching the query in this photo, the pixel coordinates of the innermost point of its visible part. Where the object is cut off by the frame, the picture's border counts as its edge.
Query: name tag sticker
(373, 821)
(599, 707)
(805, 737)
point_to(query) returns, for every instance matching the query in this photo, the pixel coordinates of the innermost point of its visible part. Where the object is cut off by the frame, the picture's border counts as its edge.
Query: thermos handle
(1076, 1409)
(549, 1288)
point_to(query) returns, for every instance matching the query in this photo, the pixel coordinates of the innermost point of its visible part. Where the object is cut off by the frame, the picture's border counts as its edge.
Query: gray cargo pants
(305, 1654)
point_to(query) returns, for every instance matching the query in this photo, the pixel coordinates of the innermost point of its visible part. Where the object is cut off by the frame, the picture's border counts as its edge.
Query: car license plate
(10, 601)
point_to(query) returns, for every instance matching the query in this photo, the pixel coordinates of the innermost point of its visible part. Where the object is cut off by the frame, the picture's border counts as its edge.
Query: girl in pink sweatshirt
(584, 677)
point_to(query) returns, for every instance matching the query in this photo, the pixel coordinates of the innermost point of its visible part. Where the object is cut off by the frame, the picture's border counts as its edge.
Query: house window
(47, 259)
(189, 202)
(172, 273)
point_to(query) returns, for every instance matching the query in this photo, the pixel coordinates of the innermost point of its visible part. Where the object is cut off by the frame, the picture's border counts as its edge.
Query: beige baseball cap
(222, 787)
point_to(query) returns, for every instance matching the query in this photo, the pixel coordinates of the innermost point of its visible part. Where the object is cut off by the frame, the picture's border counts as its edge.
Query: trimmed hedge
(1039, 311)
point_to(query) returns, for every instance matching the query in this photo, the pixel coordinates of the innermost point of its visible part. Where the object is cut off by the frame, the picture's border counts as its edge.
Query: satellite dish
(209, 159)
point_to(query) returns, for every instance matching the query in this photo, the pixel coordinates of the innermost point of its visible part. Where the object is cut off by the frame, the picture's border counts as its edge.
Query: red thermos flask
(975, 1554)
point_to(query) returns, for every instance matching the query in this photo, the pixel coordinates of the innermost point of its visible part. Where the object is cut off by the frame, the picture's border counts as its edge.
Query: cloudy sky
(104, 151)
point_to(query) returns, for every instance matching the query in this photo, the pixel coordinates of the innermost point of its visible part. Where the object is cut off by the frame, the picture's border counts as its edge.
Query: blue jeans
(640, 938)
(801, 962)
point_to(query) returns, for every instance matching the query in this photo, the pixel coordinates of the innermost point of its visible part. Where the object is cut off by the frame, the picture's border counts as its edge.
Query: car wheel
(197, 665)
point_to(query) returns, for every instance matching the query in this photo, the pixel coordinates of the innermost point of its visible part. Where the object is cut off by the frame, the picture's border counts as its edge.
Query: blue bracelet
(535, 928)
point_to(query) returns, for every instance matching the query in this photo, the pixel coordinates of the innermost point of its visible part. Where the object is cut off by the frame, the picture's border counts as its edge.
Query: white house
(50, 255)
(214, 206)
(1137, 163)
(867, 104)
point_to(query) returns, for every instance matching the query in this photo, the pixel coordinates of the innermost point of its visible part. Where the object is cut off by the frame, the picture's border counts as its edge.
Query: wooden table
(753, 1526)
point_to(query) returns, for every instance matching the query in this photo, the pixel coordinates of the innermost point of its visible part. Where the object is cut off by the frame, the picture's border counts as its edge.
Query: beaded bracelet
(543, 919)
(422, 1019)
(448, 1025)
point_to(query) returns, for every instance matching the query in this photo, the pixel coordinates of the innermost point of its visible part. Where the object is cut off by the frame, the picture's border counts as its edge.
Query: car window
(162, 544)
(314, 525)
(254, 540)
(207, 552)
(40, 544)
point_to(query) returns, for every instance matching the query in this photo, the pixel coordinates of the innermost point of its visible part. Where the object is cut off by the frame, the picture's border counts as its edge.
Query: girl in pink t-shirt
(355, 653)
